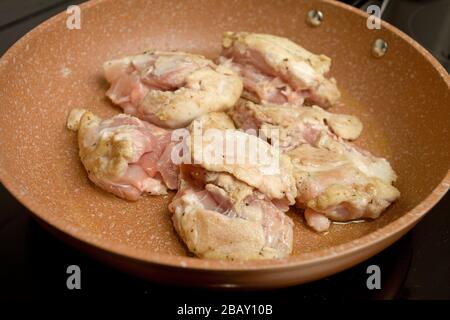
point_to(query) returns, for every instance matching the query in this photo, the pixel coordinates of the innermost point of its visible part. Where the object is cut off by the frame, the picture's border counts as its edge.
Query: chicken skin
(124, 155)
(277, 70)
(220, 212)
(335, 179)
(249, 159)
(170, 89)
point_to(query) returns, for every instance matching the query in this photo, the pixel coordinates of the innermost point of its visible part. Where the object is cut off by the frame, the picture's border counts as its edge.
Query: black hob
(34, 263)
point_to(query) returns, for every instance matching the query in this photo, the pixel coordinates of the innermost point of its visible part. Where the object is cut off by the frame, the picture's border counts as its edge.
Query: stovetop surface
(33, 262)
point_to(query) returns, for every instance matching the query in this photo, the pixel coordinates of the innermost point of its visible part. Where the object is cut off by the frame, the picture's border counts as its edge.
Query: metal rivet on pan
(379, 48)
(314, 18)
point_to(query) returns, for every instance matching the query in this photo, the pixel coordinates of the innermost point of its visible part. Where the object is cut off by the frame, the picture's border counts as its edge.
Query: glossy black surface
(33, 263)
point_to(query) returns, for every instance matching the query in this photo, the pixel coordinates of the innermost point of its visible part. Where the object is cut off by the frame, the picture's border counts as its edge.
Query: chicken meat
(170, 89)
(223, 212)
(339, 183)
(335, 180)
(220, 217)
(124, 155)
(277, 70)
(248, 158)
(288, 126)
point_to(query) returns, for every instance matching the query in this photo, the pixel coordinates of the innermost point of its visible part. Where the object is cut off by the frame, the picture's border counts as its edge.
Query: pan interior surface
(402, 100)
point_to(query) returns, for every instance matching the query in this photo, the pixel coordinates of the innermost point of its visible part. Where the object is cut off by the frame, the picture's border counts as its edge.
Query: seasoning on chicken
(335, 179)
(170, 89)
(277, 70)
(124, 155)
(220, 213)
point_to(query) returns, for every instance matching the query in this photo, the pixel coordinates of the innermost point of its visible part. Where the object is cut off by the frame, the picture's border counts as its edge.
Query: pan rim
(406, 221)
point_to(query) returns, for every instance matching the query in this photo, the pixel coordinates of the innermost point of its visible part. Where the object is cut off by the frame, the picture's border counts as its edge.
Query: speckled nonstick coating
(403, 100)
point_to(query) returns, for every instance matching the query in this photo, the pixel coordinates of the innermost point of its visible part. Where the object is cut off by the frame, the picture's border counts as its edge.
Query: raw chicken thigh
(170, 89)
(335, 179)
(220, 213)
(277, 70)
(124, 155)
(259, 165)
(292, 125)
(338, 182)
(220, 217)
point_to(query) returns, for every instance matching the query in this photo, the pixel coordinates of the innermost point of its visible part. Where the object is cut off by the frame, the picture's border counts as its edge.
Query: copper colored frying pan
(403, 99)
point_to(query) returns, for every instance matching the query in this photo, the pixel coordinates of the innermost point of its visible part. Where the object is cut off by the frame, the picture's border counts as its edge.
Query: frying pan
(402, 97)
